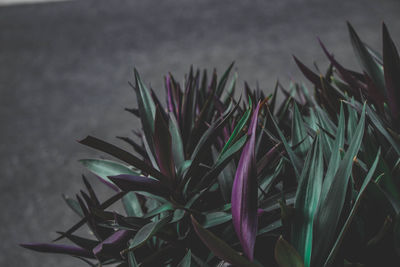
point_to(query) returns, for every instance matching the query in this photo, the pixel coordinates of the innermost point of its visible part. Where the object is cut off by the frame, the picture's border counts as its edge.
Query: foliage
(312, 180)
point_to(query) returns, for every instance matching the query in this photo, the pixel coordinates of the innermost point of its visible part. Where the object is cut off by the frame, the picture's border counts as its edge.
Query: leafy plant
(213, 180)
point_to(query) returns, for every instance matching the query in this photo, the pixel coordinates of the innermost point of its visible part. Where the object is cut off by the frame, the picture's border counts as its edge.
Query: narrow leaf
(330, 208)
(163, 147)
(307, 197)
(368, 64)
(219, 248)
(244, 193)
(186, 261)
(122, 155)
(286, 255)
(146, 232)
(113, 244)
(176, 138)
(391, 63)
(104, 168)
(128, 182)
(60, 249)
(353, 211)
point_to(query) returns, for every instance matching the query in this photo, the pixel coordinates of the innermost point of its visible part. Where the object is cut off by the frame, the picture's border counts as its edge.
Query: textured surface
(64, 69)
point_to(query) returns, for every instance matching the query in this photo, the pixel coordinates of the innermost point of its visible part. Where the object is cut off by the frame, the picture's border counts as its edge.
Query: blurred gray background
(64, 68)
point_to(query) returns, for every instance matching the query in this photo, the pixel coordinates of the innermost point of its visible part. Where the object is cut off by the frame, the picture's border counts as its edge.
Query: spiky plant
(214, 180)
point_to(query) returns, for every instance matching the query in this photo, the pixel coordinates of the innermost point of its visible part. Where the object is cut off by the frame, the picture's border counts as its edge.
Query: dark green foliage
(312, 180)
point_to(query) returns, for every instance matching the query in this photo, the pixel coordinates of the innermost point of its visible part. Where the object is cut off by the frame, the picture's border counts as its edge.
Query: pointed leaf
(147, 108)
(186, 261)
(334, 160)
(299, 132)
(224, 78)
(132, 205)
(353, 211)
(292, 156)
(307, 197)
(60, 249)
(286, 255)
(177, 148)
(113, 244)
(146, 232)
(369, 65)
(391, 63)
(122, 155)
(104, 168)
(163, 147)
(331, 205)
(244, 193)
(237, 130)
(219, 248)
(128, 182)
(73, 204)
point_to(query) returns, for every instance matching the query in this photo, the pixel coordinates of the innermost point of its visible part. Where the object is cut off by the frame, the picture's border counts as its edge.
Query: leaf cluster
(213, 180)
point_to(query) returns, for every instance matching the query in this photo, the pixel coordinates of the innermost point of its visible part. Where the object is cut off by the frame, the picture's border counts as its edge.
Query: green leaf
(286, 255)
(334, 160)
(177, 148)
(331, 205)
(307, 197)
(104, 168)
(351, 120)
(216, 218)
(271, 227)
(147, 108)
(237, 130)
(231, 89)
(74, 205)
(221, 249)
(353, 211)
(132, 260)
(377, 123)
(165, 207)
(221, 163)
(123, 155)
(223, 156)
(225, 177)
(299, 132)
(186, 261)
(206, 140)
(132, 205)
(369, 65)
(146, 232)
(223, 80)
(292, 156)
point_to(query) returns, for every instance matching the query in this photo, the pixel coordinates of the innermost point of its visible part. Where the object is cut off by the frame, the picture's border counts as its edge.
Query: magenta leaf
(58, 248)
(244, 193)
(113, 244)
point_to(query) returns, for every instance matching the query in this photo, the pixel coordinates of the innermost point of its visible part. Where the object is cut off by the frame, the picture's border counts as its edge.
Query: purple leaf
(128, 182)
(391, 62)
(244, 193)
(113, 244)
(170, 98)
(61, 249)
(267, 158)
(344, 73)
(309, 74)
(163, 147)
